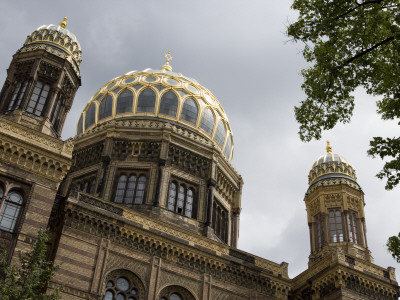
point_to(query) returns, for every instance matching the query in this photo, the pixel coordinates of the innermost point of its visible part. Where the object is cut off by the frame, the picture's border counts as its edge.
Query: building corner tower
(38, 92)
(340, 263)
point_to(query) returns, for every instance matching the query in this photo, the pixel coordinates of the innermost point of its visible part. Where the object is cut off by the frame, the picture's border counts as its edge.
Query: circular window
(172, 82)
(121, 288)
(122, 284)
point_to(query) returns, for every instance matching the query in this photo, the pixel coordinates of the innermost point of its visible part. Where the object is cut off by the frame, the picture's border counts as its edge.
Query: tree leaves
(30, 279)
(352, 44)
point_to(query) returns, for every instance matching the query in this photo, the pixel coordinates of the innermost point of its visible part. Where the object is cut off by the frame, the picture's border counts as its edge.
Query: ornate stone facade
(144, 202)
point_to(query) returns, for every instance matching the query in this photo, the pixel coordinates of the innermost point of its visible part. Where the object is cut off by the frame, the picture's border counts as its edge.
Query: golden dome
(330, 166)
(59, 36)
(163, 95)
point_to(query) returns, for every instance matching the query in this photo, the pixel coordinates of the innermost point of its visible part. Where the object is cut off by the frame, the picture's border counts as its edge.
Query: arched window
(352, 226)
(181, 199)
(38, 98)
(189, 111)
(105, 107)
(174, 292)
(146, 101)
(335, 225)
(207, 121)
(220, 134)
(10, 210)
(123, 285)
(228, 147)
(125, 101)
(319, 231)
(130, 189)
(90, 116)
(220, 221)
(169, 104)
(86, 185)
(55, 111)
(17, 95)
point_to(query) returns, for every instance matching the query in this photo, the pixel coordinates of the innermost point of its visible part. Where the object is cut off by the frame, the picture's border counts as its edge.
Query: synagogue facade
(144, 202)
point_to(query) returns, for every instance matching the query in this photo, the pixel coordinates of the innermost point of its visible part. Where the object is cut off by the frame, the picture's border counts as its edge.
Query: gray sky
(238, 50)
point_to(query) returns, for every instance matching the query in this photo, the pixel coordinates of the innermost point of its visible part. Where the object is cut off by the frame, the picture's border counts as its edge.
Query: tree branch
(358, 6)
(366, 51)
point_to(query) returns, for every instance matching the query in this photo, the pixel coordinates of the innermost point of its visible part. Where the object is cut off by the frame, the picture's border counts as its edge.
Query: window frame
(183, 189)
(33, 104)
(336, 232)
(138, 174)
(353, 227)
(220, 221)
(5, 202)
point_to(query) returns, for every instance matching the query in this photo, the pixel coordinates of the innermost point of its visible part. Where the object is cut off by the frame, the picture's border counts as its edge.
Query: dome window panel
(172, 81)
(151, 79)
(38, 98)
(169, 104)
(228, 147)
(190, 111)
(80, 125)
(207, 121)
(220, 134)
(90, 116)
(129, 80)
(105, 107)
(146, 101)
(125, 102)
(130, 189)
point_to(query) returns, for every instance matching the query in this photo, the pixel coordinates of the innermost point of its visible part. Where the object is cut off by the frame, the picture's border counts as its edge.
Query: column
(211, 183)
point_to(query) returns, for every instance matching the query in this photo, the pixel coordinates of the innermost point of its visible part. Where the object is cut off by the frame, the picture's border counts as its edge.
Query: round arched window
(121, 288)
(173, 296)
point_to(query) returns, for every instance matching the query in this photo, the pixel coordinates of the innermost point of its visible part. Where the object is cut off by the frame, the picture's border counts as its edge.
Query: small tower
(38, 92)
(340, 265)
(335, 208)
(42, 79)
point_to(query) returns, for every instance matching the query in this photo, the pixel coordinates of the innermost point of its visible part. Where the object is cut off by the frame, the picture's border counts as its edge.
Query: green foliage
(393, 245)
(30, 279)
(350, 44)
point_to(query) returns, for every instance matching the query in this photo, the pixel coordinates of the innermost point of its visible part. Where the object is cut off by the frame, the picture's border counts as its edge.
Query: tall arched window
(181, 199)
(335, 225)
(319, 231)
(55, 112)
(189, 111)
(130, 189)
(38, 98)
(169, 104)
(352, 226)
(17, 95)
(146, 101)
(90, 116)
(207, 121)
(10, 210)
(125, 101)
(220, 221)
(105, 107)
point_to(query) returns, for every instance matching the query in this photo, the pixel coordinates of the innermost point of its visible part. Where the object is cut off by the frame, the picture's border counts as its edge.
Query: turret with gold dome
(42, 79)
(335, 208)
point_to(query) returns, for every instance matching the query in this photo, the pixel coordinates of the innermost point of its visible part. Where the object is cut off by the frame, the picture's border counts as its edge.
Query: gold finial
(63, 23)
(328, 147)
(167, 66)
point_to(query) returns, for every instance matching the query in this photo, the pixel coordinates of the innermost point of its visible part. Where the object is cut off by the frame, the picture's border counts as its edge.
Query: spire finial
(63, 23)
(167, 66)
(328, 147)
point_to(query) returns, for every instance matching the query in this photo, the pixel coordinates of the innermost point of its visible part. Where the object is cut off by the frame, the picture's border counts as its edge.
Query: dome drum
(163, 96)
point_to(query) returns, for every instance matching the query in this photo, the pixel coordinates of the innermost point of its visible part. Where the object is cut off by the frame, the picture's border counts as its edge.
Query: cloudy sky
(238, 50)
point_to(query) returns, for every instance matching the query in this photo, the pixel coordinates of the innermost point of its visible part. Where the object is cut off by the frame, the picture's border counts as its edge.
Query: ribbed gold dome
(58, 36)
(331, 166)
(162, 95)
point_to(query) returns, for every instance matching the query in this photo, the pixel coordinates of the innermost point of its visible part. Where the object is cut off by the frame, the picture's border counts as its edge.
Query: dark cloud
(238, 50)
